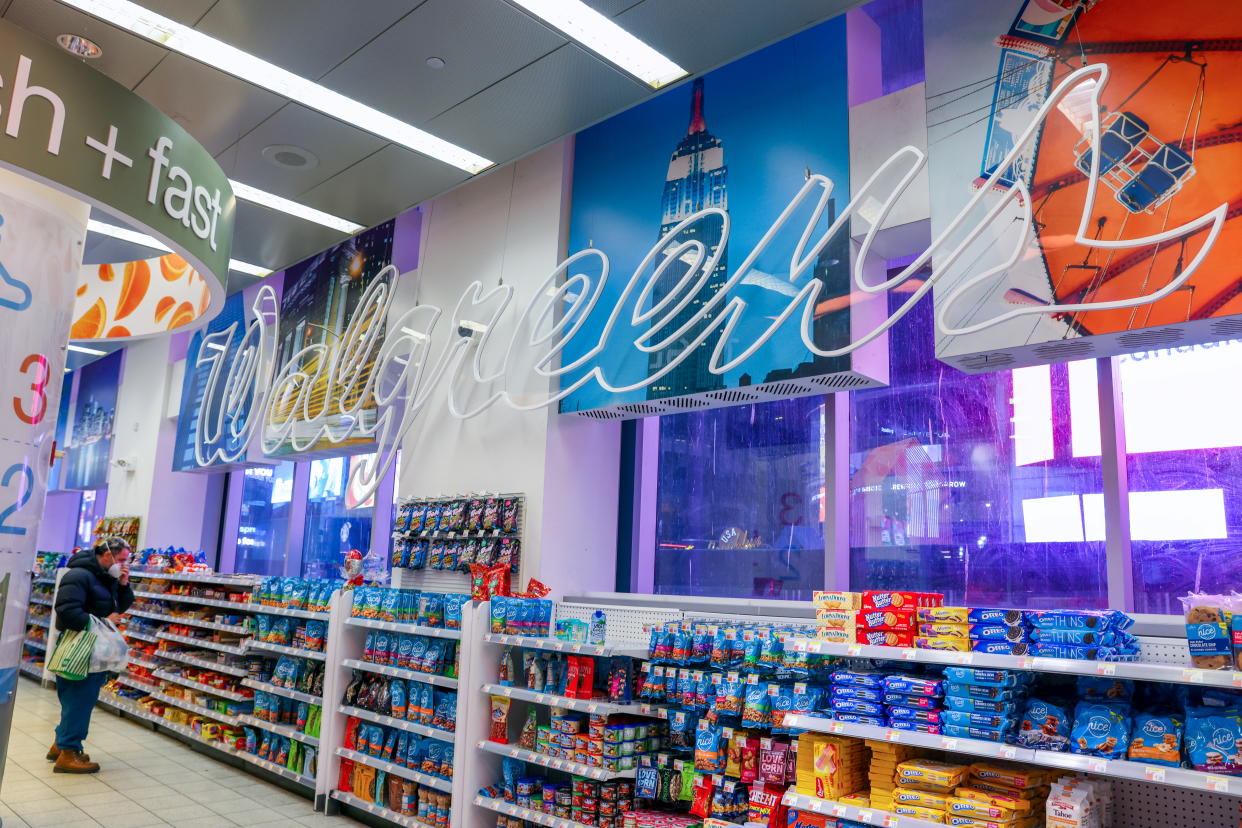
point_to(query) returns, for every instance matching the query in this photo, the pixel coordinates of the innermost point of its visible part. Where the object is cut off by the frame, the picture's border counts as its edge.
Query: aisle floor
(147, 779)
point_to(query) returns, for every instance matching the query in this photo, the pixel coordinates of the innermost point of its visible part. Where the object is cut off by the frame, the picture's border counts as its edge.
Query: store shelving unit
(344, 657)
(439, 580)
(499, 806)
(867, 816)
(38, 620)
(542, 760)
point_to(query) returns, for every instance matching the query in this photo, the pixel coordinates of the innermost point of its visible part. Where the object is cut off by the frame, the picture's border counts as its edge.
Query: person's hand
(116, 618)
(124, 580)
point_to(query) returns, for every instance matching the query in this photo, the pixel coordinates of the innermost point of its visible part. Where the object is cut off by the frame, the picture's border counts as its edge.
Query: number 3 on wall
(39, 387)
(23, 496)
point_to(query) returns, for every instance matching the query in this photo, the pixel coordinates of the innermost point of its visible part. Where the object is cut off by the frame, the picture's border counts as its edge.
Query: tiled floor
(147, 779)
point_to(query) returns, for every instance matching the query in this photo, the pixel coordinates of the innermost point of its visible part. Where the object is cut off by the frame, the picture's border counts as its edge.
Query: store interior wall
(60, 520)
(507, 227)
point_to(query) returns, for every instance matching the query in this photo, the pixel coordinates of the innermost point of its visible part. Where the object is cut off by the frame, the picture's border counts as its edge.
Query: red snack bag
(496, 580)
(750, 760)
(702, 803)
(572, 678)
(478, 582)
(499, 731)
(586, 677)
(766, 806)
(351, 733)
(347, 773)
(772, 761)
(535, 589)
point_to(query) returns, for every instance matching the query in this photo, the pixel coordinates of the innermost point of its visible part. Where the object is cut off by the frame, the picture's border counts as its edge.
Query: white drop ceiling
(510, 84)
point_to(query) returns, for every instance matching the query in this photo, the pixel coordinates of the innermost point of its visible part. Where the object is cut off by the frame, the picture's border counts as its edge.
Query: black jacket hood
(86, 560)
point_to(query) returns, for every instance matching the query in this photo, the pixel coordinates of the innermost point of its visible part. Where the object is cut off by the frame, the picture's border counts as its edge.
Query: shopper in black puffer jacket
(97, 584)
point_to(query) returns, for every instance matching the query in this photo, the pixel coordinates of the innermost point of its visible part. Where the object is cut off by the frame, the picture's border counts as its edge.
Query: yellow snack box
(837, 600)
(941, 642)
(860, 798)
(944, 629)
(951, 615)
(923, 799)
(927, 814)
(931, 772)
(979, 810)
(1013, 803)
(1008, 790)
(835, 635)
(1015, 776)
(835, 617)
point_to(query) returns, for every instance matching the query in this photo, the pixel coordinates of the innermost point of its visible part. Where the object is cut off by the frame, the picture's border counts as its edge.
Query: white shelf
(399, 724)
(272, 767)
(288, 693)
(38, 645)
(869, 816)
(34, 670)
(296, 652)
(142, 662)
(634, 649)
(125, 705)
(204, 663)
(202, 643)
(371, 808)
(576, 768)
(184, 704)
(1113, 669)
(436, 782)
(240, 606)
(39, 622)
(203, 688)
(401, 672)
(196, 578)
(1178, 777)
(236, 629)
(134, 682)
(400, 627)
(288, 731)
(139, 636)
(43, 579)
(605, 707)
(39, 599)
(290, 611)
(537, 817)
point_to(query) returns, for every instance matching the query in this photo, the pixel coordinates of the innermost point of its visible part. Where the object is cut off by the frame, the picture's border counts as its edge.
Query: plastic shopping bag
(111, 652)
(72, 657)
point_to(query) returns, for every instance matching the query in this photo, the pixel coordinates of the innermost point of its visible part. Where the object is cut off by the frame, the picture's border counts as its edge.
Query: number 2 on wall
(23, 496)
(39, 387)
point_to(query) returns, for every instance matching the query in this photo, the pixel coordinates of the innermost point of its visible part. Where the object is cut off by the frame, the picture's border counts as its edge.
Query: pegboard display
(436, 539)
(1143, 805)
(624, 623)
(1173, 651)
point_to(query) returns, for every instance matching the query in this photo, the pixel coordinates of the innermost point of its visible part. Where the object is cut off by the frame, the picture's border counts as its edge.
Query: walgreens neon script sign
(320, 391)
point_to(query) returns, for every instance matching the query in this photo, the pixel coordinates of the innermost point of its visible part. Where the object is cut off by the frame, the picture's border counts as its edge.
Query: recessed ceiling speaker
(290, 156)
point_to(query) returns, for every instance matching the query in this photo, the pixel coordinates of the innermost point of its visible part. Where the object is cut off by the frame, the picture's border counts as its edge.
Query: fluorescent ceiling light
(216, 53)
(611, 42)
(125, 234)
(284, 205)
(82, 349)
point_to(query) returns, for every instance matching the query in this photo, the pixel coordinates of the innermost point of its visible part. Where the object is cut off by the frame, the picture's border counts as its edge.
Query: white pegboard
(1164, 651)
(1144, 805)
(624, 623)
(715, 617)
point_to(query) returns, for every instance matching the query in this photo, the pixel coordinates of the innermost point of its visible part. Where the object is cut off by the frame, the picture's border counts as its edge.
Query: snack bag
(499, 731)
(1044, 726)
(1209, 630)
(1213, 739)
(1157, 739)
(1100, 730)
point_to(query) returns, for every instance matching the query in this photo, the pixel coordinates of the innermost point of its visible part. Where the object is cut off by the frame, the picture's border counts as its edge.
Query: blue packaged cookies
(982, 676)
(1014, 648)
(858, 678)
(979, 705)
(966, 718)
(913, 685)
(917, 727)
(915, 714)
(1101, 730)
(987, 734)
(1213, 739)
(854, 706)
(1157, 739)
(904, 700)
(859, 693)
(858, 718)
(978, 691)
(997, 632)
(1044, 725)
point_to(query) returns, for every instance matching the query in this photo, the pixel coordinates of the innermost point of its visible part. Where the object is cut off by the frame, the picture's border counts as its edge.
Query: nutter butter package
(889, 599)
(889, 619)
(886, 638)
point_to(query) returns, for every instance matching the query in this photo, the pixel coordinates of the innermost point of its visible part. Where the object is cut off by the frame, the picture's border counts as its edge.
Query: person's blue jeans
(77, 701)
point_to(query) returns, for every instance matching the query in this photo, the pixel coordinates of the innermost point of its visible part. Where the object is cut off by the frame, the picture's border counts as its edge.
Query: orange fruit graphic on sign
(133, 287)
(173, 267)
(106, 273)
(163, 307)
(117, 331)
(90, 325)
(184, 315)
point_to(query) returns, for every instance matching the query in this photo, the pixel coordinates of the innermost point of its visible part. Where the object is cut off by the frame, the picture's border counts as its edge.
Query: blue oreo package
(1079, 638)
(914, 714)
(997, 632)
(981, 676)
(1007, 617)
(1100, 730)
(913, 685)
(917, 727)
(858, 718)
(903, 700)
(1014, 648)
(859, 678)
(859, 693)
(1079, 619)
(1071, 651)
(854, 706)
(979, 705)
(966, 718)
(1044, 725)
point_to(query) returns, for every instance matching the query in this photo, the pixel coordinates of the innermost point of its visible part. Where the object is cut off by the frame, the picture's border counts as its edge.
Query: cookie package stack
(884, 618)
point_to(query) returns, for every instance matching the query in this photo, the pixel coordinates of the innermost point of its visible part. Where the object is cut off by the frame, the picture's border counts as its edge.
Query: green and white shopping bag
(72, 658)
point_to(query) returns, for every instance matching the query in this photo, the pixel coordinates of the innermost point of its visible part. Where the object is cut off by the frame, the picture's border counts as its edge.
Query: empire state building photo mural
(735, 143)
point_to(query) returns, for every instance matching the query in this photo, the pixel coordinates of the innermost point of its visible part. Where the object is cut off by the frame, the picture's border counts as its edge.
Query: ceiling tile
(215, 108)
(553, 97)
(126, 58)
(335, 144)
(481, 41)
(724, 30)
(611, 7)
(307, 37)
(275, 240)
(383, 185)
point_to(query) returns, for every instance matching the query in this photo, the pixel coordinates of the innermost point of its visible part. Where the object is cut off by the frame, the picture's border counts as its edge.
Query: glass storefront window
(1185, 471)
(89, 513)
(740, 498)
(263, 526)
(968, 485)
(336, 521)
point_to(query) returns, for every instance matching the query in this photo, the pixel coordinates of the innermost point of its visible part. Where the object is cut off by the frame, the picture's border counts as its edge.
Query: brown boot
(74, 761)
(53, 753)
